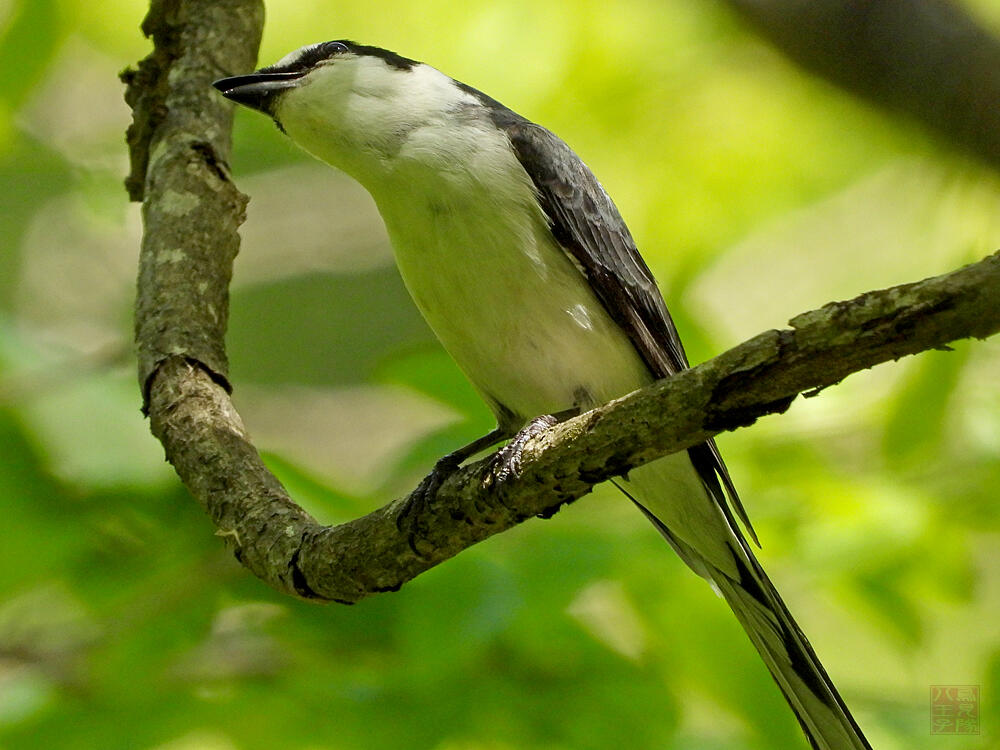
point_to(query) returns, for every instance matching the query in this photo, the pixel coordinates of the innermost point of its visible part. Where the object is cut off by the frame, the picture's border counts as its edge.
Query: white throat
(370, 119)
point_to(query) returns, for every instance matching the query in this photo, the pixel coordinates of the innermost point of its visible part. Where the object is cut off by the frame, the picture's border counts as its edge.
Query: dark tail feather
(793, 664)
(822, 713)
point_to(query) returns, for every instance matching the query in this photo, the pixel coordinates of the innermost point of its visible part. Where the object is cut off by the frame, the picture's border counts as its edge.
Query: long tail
(783, 646)
(704, 534)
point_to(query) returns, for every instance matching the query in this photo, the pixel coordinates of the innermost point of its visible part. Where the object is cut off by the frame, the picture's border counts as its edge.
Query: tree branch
(179, 144)
(191, 212)
(279, 542)
(927, 58)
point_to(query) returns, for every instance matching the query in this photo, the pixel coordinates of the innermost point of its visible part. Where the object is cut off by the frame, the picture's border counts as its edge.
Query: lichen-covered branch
(279, 542)
(179, 143)
(191, 211)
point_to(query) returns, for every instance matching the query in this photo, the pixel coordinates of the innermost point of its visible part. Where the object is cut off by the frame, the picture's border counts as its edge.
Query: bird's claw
(504, 465)
(422, 496)
(506, 462)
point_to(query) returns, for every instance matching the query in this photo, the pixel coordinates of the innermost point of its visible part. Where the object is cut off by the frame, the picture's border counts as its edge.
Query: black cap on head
(307, 58)
(260, 89)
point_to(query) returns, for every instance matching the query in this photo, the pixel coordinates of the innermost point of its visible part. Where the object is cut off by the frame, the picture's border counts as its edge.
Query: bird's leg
(444, 468)
(506, 462)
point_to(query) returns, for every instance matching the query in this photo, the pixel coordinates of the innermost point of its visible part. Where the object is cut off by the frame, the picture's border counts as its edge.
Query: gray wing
(587, 224)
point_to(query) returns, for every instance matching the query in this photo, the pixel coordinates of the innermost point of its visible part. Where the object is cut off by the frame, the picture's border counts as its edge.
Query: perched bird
(526, 272)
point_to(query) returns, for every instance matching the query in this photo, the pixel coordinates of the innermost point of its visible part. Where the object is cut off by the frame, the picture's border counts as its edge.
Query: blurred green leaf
(918, 415)
(39, 174)
(27, 46)
(460, 609)
(431, 371)
(321, 328)
(883, 590)
(314, 495)
(34, 504)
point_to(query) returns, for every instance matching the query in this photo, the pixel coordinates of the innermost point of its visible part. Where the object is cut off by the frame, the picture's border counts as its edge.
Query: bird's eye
(334, 48)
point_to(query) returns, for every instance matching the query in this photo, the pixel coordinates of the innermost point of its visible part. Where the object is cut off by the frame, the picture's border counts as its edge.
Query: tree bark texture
(179, 143)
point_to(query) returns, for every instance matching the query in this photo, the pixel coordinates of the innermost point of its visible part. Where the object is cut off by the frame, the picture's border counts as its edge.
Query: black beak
(257, 90)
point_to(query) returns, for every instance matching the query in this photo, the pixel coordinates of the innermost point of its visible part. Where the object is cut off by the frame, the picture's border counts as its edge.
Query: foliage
(755, 192)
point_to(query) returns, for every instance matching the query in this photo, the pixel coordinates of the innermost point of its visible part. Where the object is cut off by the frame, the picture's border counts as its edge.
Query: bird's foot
(421, 497)
(506, 462)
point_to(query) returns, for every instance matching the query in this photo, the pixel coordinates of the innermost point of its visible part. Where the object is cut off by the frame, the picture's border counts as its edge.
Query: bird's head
(362, 109)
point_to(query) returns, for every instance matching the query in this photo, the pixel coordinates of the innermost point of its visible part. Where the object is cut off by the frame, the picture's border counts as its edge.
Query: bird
(523, 267)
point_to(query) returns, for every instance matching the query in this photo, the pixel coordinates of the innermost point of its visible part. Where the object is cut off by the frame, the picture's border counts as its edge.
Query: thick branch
(179, 143)
(279, 542)
(927, 58)
(191, 210)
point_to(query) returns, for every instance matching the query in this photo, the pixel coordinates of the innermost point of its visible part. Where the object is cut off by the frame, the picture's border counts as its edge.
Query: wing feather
(587, 225)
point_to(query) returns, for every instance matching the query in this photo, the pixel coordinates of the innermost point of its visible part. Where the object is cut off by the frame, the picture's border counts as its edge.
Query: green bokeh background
(755, 192)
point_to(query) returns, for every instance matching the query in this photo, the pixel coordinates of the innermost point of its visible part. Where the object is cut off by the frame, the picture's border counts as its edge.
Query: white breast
(508, 304)
(471, 241)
